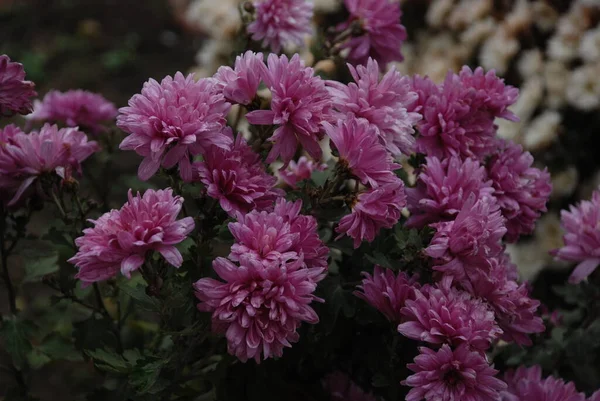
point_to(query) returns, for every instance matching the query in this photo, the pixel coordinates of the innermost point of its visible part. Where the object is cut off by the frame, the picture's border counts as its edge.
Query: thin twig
(4, 253)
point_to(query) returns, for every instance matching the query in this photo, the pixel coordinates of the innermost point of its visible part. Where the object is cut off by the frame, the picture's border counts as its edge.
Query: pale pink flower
(469, 241)
(281, 235)
(581, 224)
(15, 91)
(259, 308)
(521, 190)
(26, 157)
(374, 209)
(74, 108)
(383, 103)
(237, 178)
(342, 388)
(444, 314)
(381, 32)
(240, 83)
(280, 23)
(443, 187)
(300, 103)
(360, 151)
(516, 313)
(300, 171)
(526, 384)
(387, 292)
(173, 121)
(452, 375)
(121, 239)
(458, 115)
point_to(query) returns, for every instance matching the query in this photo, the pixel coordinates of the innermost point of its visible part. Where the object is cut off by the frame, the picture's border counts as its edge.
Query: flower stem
(4, 253)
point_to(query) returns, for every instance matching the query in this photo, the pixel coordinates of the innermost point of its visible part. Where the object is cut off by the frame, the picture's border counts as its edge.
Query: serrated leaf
(16, 339)
(109, 361)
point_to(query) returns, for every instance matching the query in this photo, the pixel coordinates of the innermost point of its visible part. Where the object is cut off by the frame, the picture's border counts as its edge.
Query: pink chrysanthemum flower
(360, 151)
(444, 314)
(342, 388)
(445, 374)
(120, 239)
(469, 241)
(300, 171)
(380, 31)
(383, 103)
(521, 190)
(173, 121)
(26, 157)
(375, 209)
(581, 224)
(595, 396)
(259, 308)
(387, 292)
(281, 22)
(300, 103)
(74, 108)
(240, 83)
(237, 178)
(15, 92)
(515, 311)
(281, 235)
(458, 116)
(526, 384)
(9, 169)
(443, 186)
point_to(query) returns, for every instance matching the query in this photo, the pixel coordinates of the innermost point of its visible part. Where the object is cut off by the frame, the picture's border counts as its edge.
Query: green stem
(4, 253)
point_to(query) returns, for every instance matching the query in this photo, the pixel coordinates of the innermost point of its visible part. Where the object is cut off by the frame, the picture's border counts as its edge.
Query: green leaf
(16, 339)
(109, 361)
(36, 269)
(145, 376)
(138, 292)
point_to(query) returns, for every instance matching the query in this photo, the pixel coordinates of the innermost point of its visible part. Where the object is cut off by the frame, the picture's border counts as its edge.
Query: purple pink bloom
(469, 241)
(300, 171)
(74, 108)
(26, 157)
(443, 187)
(446, 374)
(281, 22)
(342, 388)
(387, 292)
(282, 235)
(15, 92)
(581, 224)
(259, 308)
(300, 102)
(526, 384)
(458, 115)
(521, 190)
(360, 151)
(444, 314)
(240, 83)
(173, 121)
(380, 31)
(237, 178)
(516, 313)
(374, 209)
(383, 103)
(120, 239)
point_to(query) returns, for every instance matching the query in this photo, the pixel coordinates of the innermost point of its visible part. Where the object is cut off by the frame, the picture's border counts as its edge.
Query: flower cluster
(15, 91)
(74, 108)
(120, 239)
(24, 158)
(266, 296)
